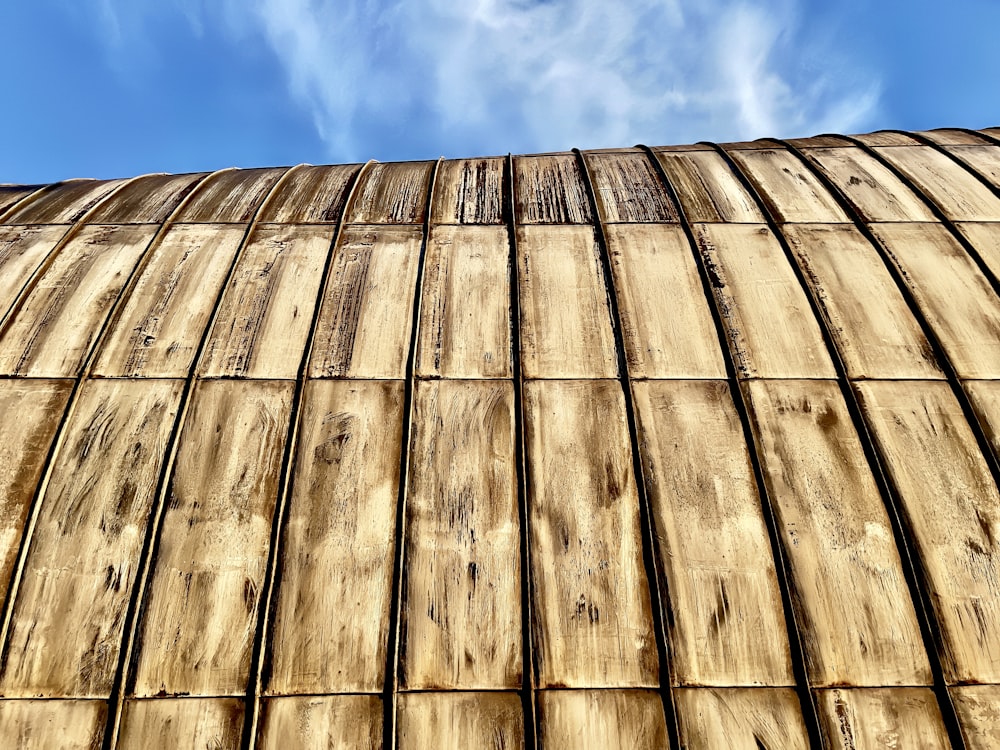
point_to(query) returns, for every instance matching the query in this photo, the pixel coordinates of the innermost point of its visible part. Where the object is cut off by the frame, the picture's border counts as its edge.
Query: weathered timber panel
(231, 196)
(460, 721)
(628, 189)
(881, 719)
(787, 186)
(393, 193)
(985, 238)
(311, 195)
(740, 719)
(64, 203)
(210, 723)
(985, 397)
(978, 709)
(708, 189)
(983, 159)
(330, 722)
(950, 137)
(22, 251)
(601, 719)
(469, 191)
(885, 138)
(550, 190)
(11, 194)
(43, 725)
(148, 200)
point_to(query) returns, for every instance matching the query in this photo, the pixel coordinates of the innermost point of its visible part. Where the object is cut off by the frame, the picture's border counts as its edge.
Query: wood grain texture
(565, 319)
(64, 203)
(770, 327)
(366, 317)
(22, 251)
(460, 721)
(985, 238)
(312, 195)
(392, 193)
(978, 709)
(666, 322)
(983, 159)
(819, 141)
(725, 620)
(201, 606)
(550, 190)
(329, 722)
(42, 725)
(210, 723)
(465, 311)
(952, 137)
(469, 191)
(601, 719)
(148, 200)
(881, 719)
(985, 398)
(12, 194)
(952, 509)
(87, 542)
(628, 188)
(462, 593)
(593, 625)
(951, 292)
(52, 332)
(231, 196)
(740, 719)
(855, 616)
(335, 571)
(874, 330)
(267, 310)
(708, 189)
(887, 138)
(161, 323)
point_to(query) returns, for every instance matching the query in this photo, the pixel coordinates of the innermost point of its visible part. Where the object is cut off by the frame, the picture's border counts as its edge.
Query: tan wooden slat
(11, 194)
(469, 191)
(335, 572)
(43, 725)
(684, 147)
(984, 159)
(726, 625)
(985, 397)
(874, 330)
(161, 323)
(460, 721)
(978, 709)
(771, 329)
(364, 325)
(819, 141)
(330, 722)
(53, 330)
(708, 189)
(788, 187)
(565, 320)
(950, 137)
(593, 624)
(550, 190)
(312, 195)
(148, 200)
(740, 719)
(393, 193)
(952, 293)
(69, 614)
(666, 322)
(230, 197)
(881, 719)
(952, 508)
(856, 619)
(887, 139)
(201, 609)
(462, 593)
(628, 188)
(211, 723)
(465, 313)
(64, 203)
(601, 719)
(22, 250)
(267, 309)
(985, 238)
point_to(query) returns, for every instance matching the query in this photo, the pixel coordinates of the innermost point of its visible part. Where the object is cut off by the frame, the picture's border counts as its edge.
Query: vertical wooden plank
(22, 250)
(66, 627)
(198, 622)
(708, 189)
(364, 326)
(985, 398)
(788, 187)
(267, 309)
(740, 719)
(726, 624)
(881, 719)
(984, 159)
(312, 195)
(329, 722)
(468, 191)
(978, 709)
(392, 193)
(985, 238)
(600, 719)
(628, 188)
(230, 197)
(856, 618)
(465, 314)
(952, 508)
(461, 590)
(148, 200)
(42, 725)
(51, 333)
(215, 723)
(64, 203)
(335, 574)
(565, 320)
(550, 190)
(460, 721)
(593, 624)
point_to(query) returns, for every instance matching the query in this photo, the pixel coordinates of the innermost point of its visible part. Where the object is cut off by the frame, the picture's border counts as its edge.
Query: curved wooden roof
(673, 447)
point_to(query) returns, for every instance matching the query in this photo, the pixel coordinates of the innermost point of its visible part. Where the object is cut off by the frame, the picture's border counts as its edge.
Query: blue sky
(109, 88)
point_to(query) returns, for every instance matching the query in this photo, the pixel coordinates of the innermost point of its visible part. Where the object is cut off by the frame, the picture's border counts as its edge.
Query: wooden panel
(881, 719)
(601, 719)
(311, 195)
(331, 722)
(163, 320)
(87, 542)
(978, 711)
(365, 323)
(870, 322)
(985, 397)
(819, 141)
(708, 189)
(462, 591)
(460, 721)
(684, 147)
(887, 138)
(550, 190)
(42, 725)
(11, 194)
(148, 200)
(772, 332)
(469, 191)
(215, 723)
(984, 159)
(230, 196)
(788, 187)
(267, 309)
(666, 322)
(949, 137)
(985, 238)
(22, 250)
(854, 611)
(740, 719)
(465, 313)
(593, 624)
(565, 320)
(52, 332)
(64, 203)
(628, 188)
(335, 572)
(952, 509)
(392, 193)
(726, 624)
(201, 607)
(952, 293)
